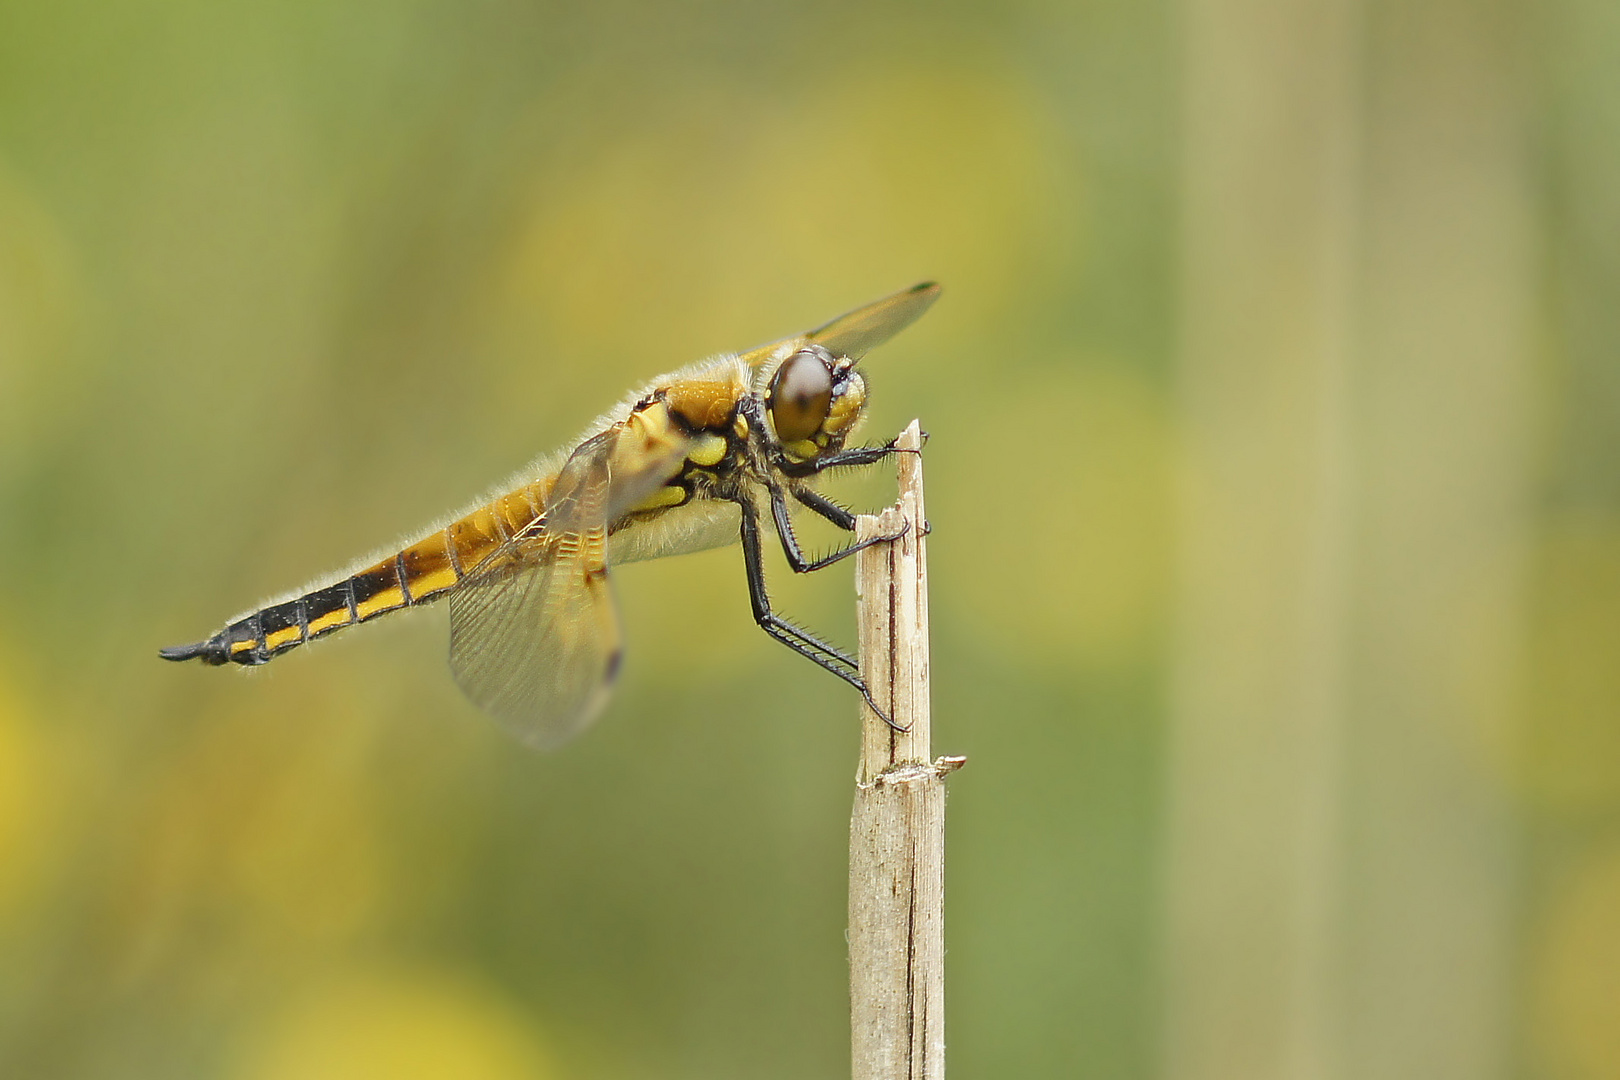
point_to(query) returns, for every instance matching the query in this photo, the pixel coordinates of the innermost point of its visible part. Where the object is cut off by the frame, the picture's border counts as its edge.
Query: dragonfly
(715, 453)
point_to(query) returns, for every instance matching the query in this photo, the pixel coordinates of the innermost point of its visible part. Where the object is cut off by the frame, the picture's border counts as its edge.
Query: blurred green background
(1275, 406)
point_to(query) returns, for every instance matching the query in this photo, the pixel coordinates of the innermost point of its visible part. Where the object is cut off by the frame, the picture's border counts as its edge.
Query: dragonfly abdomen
(419, 573)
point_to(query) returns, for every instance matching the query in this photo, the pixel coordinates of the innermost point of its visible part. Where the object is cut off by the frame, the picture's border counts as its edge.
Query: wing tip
(926, 293)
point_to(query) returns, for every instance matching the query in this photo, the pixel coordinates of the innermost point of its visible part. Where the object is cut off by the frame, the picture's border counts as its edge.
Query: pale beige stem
(897, 830)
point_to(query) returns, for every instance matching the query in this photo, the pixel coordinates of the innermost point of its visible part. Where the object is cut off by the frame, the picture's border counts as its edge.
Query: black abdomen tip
(208, 652)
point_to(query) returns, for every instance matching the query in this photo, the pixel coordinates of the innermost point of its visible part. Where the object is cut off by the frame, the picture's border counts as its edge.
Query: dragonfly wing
(534, 635)
(537, 646)
(865, 328)
(856, 333)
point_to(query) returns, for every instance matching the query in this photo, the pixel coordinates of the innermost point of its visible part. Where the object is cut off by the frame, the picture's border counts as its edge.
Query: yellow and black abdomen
(422, 572)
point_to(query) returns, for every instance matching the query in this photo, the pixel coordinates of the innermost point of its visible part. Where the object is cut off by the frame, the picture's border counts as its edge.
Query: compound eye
(800, 395)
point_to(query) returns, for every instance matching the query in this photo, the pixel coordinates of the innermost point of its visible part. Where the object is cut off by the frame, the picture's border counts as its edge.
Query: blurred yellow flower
(1575, 989)
(26, 825)
(394, 1025)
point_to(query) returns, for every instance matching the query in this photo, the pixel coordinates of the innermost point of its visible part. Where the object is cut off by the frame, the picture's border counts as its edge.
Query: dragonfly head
(814, 401)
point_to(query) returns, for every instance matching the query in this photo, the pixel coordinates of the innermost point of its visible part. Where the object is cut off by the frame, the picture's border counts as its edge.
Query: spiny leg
(840, 516)
(754, 562)
(843, 459)
(818, 652)
(790, 542)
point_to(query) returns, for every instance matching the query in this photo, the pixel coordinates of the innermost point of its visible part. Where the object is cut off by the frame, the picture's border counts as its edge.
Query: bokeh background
(1275, 401)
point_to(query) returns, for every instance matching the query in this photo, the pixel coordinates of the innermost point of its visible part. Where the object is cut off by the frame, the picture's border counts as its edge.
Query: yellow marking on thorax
(663, 498)
(804, 449)
(707, 450)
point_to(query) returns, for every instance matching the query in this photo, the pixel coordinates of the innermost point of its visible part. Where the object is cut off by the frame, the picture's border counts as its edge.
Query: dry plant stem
(897, 830)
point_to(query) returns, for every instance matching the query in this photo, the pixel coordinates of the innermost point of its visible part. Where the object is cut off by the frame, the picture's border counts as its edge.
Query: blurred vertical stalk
(1270, 209)
(1353, 372)
(897, 828)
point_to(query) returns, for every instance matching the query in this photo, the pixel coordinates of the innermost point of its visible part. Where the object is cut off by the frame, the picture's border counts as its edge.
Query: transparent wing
(852, 335)
(859, 331)
(534, 636)
(535, 643)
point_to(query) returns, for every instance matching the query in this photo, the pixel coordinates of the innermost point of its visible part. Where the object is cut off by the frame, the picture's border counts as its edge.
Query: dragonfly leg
(773, 624)
(825, 656)
(790, 543)
(854, 456)
(840, 516)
